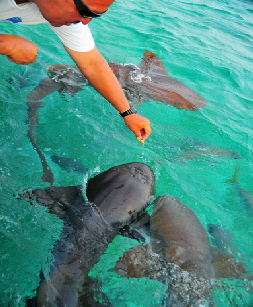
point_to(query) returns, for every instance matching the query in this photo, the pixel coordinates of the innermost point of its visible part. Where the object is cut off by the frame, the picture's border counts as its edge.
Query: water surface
(205, 45)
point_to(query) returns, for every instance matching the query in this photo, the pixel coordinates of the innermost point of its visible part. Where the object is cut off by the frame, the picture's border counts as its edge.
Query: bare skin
(18, 49)
(92, 63)
(59, 13)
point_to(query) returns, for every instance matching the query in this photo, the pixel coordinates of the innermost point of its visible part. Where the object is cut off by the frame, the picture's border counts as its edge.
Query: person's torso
(25, 13)
(76, 37)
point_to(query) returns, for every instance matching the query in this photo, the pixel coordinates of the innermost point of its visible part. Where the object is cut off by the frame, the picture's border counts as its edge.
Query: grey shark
(149, 80)
(114, 199)
(46, 86)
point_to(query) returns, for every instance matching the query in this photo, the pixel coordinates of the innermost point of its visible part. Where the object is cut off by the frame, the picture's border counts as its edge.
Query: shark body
(178, 255)
(115, 197)
(149, 80)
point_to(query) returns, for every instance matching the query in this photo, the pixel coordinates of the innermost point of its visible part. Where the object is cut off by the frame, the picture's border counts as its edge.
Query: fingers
(18, 49)
(22, 61)
(22, 57)
(139, 125)
(145, 132)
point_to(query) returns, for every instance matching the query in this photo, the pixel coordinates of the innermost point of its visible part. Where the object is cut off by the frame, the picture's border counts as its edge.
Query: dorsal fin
(151, 62)
(227, 266)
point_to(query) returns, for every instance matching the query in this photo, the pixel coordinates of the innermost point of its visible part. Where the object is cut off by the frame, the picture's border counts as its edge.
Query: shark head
(115, 197)
(70, 77)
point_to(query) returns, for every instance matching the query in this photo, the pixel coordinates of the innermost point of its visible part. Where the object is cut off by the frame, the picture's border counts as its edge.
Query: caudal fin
(70, 164)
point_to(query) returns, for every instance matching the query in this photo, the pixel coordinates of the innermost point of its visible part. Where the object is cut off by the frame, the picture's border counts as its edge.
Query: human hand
(18, 49)
(139, 125)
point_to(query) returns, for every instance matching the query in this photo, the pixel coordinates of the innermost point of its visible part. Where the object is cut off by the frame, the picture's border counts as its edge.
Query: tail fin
(235, 176)
(70, 164)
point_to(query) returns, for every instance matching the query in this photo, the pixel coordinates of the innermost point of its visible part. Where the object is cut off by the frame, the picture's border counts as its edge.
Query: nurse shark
(114, 198)
(147, 81)
(245, 197)
(34, 105)
(225, 254)
(179, 255)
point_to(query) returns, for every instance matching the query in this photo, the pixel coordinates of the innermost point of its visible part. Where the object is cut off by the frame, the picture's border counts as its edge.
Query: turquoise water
(207, 46)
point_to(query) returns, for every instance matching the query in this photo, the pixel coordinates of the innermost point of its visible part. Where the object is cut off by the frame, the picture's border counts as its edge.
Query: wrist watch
(128, 112)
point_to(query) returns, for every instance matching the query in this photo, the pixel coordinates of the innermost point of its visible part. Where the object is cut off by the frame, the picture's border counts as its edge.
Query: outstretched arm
(18, 49)
(95, 68)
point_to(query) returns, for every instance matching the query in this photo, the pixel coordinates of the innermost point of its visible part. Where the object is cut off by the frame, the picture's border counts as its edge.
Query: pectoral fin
(57, 199)
(138, 228)
(45, 87)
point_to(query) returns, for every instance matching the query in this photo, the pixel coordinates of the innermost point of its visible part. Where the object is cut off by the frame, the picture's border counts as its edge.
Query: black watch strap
(128, 112)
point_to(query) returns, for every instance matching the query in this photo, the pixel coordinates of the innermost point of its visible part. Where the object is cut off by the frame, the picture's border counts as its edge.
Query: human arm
(18, 49)
(95, 68)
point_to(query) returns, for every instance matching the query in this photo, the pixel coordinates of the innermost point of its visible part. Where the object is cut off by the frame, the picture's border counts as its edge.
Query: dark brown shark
(178, 255)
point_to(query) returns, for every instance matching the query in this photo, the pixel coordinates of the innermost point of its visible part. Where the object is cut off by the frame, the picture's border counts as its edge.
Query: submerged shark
(224, 254)
(34, 104)
(180, 255)
(46, 86)
(197, 152)
(115, 198)
(245, 196)
(33, 107)
(70, 164)
(147, 81)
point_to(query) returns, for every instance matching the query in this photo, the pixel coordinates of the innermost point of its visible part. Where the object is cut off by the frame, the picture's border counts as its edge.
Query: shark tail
(70, 164)
(235, 175)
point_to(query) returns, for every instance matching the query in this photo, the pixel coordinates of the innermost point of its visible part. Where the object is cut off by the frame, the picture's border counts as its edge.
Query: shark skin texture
(178, 255)
(148, 81)
(113, 199)
(145, 82)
